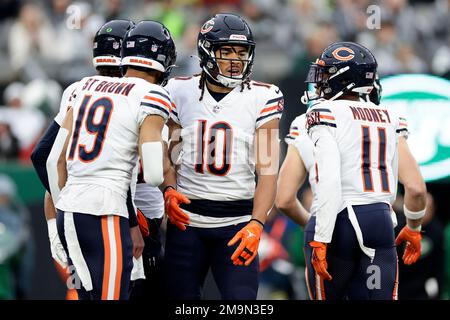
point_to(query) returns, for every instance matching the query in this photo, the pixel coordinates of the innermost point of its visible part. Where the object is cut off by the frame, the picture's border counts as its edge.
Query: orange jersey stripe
(158, 100)
(119, 258)
(327, 117)
(107, 261)
(295, 134)
(173, 105)
(268, 109)
(403, 124)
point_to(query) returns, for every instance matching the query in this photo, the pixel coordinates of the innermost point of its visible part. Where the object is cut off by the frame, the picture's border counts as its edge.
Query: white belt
(354, 221)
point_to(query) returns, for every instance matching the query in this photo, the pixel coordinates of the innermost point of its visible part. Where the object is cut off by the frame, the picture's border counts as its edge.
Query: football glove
(172, 200)
(248, 248)
(319, 259)
(413, 247)
(143, 224)
(56, 247)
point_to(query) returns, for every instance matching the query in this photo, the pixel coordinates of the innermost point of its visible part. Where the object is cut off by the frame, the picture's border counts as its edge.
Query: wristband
(413, 215)
(165, 189)
(254, 219)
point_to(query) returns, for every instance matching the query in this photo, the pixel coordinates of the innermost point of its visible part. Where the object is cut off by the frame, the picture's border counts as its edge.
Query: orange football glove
(248, 248)
(143, 224)
(319, 259)
(172, 200)
(413, 247)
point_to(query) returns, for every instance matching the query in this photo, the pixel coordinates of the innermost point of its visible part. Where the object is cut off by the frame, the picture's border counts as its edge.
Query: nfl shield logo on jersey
(216, 109)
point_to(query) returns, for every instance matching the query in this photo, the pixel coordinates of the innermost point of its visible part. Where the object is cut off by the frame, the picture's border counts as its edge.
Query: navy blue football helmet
(343, 67)
(108, 43)
(149, 45)
(225, 29)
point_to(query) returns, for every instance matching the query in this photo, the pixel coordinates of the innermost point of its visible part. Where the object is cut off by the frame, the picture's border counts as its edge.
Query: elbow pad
(152, 163)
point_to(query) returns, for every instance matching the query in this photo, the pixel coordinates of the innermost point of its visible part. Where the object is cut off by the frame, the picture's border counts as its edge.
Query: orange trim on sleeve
(268, 109)
(327, 117)
(158, 100)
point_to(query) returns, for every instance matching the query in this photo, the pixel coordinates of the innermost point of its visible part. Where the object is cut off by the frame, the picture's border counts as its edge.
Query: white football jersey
(217, 155)
(67, 99)
(103, 148)
(367, 139)
(298, 137)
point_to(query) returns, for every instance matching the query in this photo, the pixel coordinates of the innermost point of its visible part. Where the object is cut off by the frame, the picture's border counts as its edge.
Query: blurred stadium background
(46, 45)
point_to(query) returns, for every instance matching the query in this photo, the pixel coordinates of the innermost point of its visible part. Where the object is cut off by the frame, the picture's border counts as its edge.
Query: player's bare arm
(267, 163)
(415, 203)
(62, 165)
(56, 163)
(291, 177)
(172, 197)
(411, 178)
(170, 155)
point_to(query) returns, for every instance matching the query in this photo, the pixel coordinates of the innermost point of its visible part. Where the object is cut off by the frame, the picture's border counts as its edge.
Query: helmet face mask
(343, 68)
(220, 44)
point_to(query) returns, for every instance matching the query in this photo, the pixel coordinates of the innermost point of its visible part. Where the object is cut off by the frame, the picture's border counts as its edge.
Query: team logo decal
(207, 26)
(312, 119)
(341, 50)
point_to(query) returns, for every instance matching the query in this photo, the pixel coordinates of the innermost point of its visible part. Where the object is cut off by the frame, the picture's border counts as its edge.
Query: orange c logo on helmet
(207, 26)
(337, 54)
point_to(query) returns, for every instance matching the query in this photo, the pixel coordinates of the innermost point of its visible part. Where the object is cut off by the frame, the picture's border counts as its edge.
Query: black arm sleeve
(132, 220)
(42, 150)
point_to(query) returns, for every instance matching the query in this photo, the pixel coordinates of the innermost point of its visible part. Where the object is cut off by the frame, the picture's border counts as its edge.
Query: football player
(106, 59)
(415, 198)
(356, 147)
(229, 129)
(91, 162)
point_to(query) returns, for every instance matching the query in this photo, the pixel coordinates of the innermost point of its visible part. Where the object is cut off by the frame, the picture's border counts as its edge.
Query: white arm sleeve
(328, 169)
(52, 163)
(152, 163)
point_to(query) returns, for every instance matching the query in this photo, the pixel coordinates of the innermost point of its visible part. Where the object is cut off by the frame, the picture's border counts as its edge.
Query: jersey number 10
(207, 144)
(97, 128)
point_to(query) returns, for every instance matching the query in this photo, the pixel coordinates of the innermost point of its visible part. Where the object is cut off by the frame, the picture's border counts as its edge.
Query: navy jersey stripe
(268, 115)
(274, 100)
(161, 94)
(320, 110)
(155, 106)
